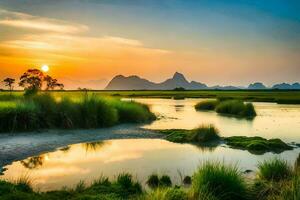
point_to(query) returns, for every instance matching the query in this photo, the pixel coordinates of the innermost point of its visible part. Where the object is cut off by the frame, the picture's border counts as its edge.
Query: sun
(45, 68)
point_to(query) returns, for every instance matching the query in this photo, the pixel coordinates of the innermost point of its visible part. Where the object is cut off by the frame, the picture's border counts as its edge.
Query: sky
(87, 42)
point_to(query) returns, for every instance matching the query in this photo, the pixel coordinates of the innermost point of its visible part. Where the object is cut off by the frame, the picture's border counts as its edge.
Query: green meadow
(278, 96)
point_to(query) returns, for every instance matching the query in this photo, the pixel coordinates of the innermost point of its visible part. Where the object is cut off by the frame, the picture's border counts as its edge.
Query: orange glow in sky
(88, 48)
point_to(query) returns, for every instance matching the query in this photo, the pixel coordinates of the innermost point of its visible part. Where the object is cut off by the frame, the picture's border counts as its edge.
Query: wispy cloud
(22, 20)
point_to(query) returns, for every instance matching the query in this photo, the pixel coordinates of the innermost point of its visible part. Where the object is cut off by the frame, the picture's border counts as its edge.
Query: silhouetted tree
(9, 82)
(52, 83)
(32, 79)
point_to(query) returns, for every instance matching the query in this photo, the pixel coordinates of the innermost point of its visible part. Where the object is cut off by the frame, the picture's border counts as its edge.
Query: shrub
(236, 108)
(220, 181)
(207, 105)
(165, 181)
(153, 181)
(274, 170)
(187, 180)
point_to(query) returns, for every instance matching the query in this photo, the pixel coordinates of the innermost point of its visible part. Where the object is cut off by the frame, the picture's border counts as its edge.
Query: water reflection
(139, 157)
(33, 162)
(272, 120)
(93, 146)
(179, 108)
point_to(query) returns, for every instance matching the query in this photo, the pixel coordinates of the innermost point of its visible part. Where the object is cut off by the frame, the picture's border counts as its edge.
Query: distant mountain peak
(134, 82)
(178, 75)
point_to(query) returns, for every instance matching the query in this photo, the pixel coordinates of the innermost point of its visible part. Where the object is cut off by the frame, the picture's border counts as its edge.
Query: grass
(167, 194)
(257, 145)
(236, 108)
(281, 96)
(211, 181)
(208, 136)
(202, 134)
(277, 180)
(207, 105)
(274, 170)
(220, 181)
(90, 111)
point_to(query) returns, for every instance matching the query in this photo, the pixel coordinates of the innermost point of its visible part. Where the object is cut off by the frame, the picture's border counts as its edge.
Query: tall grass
(277, 180)
(207, 105)
(219, 181)
(167, 194)
(204, 133)
(236, 108)
(275, 169)
(44, 111)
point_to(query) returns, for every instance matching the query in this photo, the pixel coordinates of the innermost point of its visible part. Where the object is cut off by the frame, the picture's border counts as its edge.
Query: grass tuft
(274, 170)
(207, 105)
(220, 181)
(236, 108)
(167, 194)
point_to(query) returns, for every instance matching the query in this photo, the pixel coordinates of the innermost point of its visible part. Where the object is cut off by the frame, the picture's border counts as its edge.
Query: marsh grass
(204, 133)
(236, 108)
(90, 111)
(200, 135)
(207, 105)
(275, 169)
(220, 181)
(167, 194)
(212, 181)
(257, 145)
(277, 181)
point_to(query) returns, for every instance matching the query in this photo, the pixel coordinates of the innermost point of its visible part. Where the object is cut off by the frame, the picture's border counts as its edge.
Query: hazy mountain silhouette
(121, 82)
(257, 86)
(286, 86)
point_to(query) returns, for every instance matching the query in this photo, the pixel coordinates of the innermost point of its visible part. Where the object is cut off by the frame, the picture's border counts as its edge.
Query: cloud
(26, 21)
(81, 46)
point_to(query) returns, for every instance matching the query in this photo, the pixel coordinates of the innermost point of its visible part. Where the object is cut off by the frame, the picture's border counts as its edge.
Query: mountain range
(178, 80)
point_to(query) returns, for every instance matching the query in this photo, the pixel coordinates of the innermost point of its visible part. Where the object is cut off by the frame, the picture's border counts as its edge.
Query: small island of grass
(207, 105)
(235, 108)
(202, 134)
(208, 134)
(257, 144)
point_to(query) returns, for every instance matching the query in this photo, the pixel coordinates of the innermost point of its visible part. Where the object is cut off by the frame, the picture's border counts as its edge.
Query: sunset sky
(87, 42)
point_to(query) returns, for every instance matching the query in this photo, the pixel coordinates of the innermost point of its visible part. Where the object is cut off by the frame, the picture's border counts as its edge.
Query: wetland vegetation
(235, 108)
(43, 111)
(208, 135)
(275, 179)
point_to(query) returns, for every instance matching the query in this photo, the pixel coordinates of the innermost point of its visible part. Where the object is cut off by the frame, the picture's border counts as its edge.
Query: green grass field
(287, 97)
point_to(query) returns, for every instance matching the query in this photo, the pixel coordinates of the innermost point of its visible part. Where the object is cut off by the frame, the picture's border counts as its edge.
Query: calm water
(141, 157)
(273, 120)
